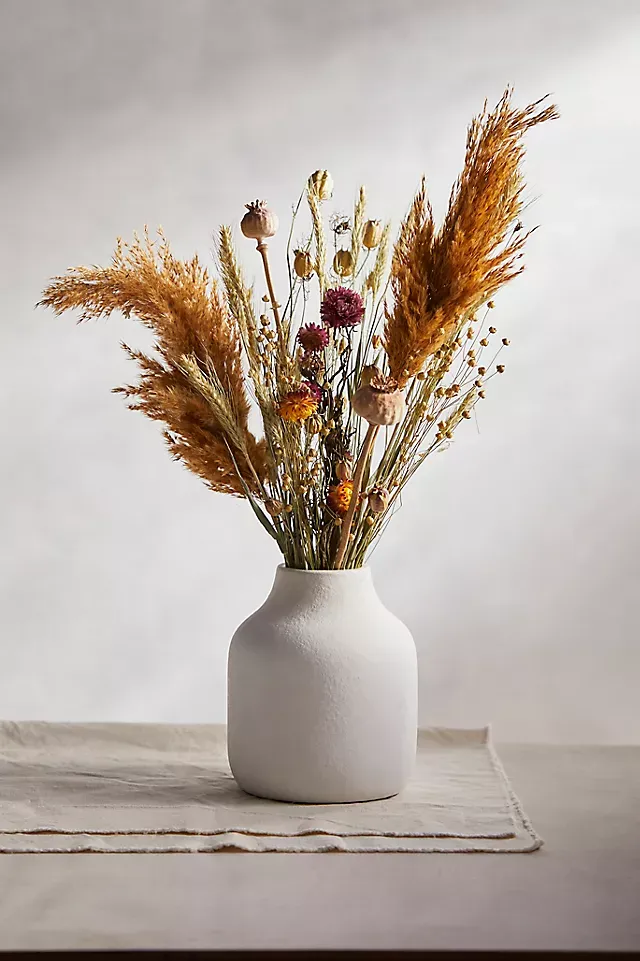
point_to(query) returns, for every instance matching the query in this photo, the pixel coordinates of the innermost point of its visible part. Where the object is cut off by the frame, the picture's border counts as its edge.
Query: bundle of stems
(353, 400)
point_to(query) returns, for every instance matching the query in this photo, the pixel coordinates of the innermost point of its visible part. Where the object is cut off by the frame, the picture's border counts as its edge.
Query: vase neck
(319, 587)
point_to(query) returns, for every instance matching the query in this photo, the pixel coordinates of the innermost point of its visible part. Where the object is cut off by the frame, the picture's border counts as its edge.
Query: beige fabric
(145, 787)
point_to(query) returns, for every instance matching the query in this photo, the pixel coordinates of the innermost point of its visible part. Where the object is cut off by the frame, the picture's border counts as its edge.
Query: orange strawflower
(340, 496)
(297, 405)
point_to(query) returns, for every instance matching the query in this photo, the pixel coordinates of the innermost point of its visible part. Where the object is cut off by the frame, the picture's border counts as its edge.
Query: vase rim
(340, 573)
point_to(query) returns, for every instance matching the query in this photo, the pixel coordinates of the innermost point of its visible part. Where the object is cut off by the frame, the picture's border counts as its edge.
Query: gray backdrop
(514, 557)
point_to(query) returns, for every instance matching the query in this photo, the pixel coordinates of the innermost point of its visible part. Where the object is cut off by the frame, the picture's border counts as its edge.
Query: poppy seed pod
(378, 500)
(381, 407)
(259, 222)
(343, 263)
(372, 234)
(321, 183)
(302, 264)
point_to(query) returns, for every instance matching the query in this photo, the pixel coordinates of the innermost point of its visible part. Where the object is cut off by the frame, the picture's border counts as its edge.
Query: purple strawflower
(342, 307)
(314, 389)
(313, 337)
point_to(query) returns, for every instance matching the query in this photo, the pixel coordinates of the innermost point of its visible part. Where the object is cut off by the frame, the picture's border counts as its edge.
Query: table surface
(581, 891)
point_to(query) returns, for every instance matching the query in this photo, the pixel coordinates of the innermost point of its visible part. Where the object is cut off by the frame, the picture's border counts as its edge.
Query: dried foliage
(326, 478)
(194, 330)
(438, 275)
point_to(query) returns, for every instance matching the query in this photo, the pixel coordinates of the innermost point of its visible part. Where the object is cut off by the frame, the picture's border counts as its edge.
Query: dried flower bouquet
(353, 398)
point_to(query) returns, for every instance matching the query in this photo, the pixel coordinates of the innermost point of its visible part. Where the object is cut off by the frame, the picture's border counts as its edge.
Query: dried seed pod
(372, 234)
(343, 263)
(378, 500)
(383, 407)
(311, 364)
(321, 182)
(343, 470)
(273, 507)
(259, 222)
(302, 264)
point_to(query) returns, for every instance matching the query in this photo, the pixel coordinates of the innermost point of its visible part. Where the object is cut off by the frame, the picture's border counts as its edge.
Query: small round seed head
(505, 342)
(302, 264)
(500, 368)
(378, 500)
(372, 234)
(493, 330)
(259, 222)
(343, 470)
(384, 407)
(343, 263)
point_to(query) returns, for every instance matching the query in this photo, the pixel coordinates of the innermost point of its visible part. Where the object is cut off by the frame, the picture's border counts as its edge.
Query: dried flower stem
(357, 487)
(214, 351)
(263, 249)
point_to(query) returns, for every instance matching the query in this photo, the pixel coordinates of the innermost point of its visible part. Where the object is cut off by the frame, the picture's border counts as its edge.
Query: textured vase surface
(322, 692)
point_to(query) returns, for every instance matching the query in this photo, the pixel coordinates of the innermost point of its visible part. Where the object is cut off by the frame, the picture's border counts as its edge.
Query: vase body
(322, 692)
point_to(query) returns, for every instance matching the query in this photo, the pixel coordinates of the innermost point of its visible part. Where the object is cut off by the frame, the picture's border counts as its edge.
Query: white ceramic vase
(322, 692)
